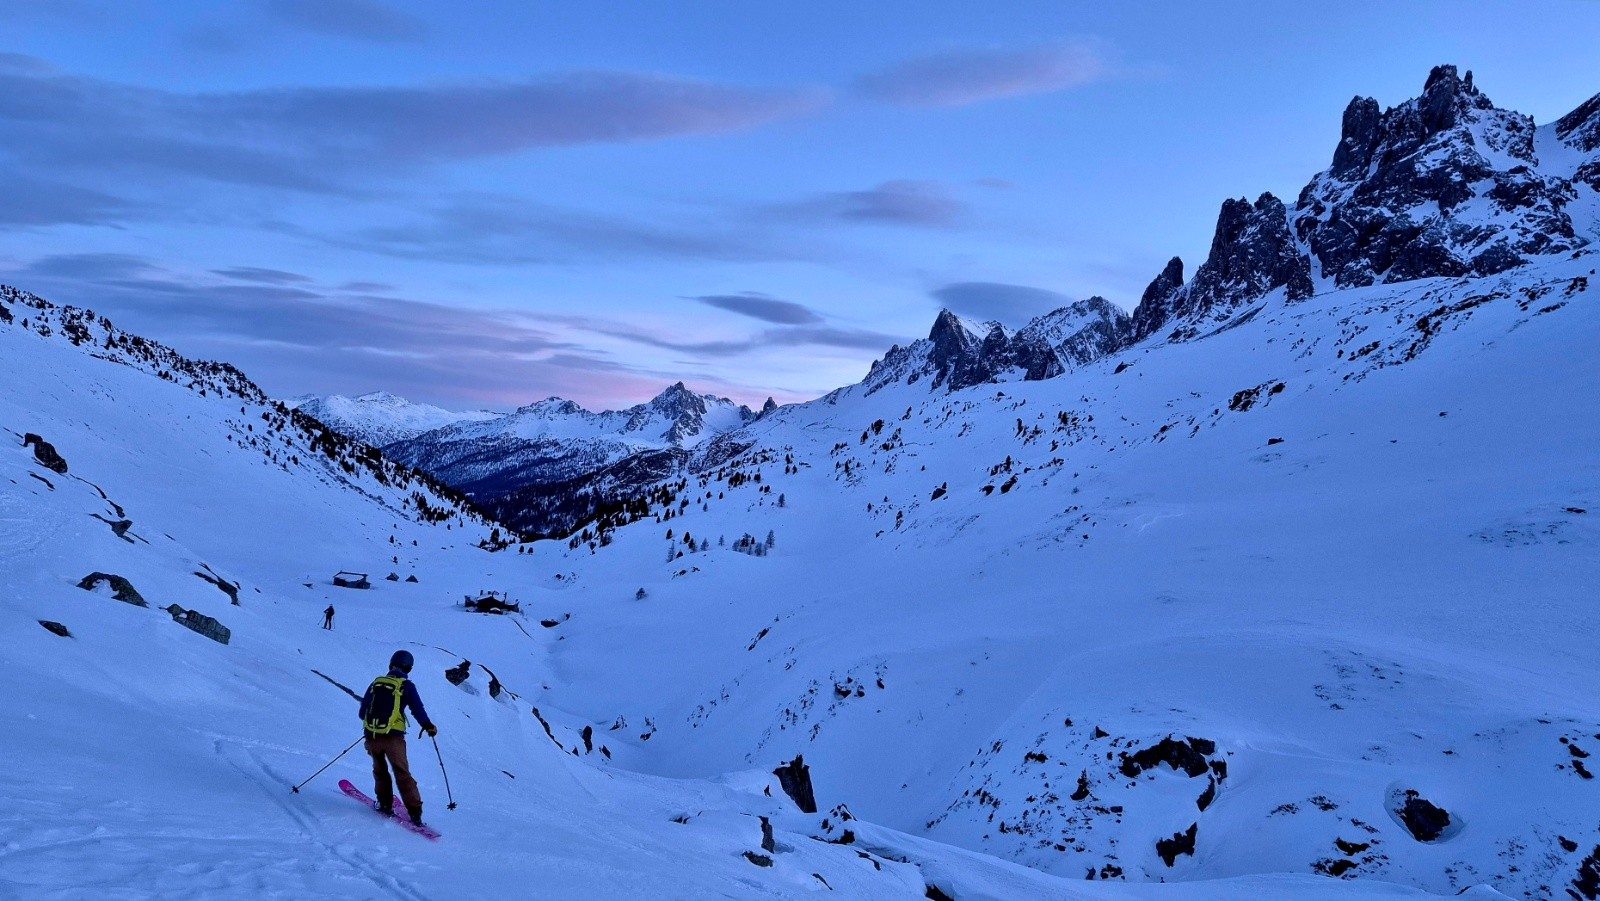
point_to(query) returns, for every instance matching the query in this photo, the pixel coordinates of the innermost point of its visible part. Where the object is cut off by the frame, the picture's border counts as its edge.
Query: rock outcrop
(196, 621)
(115, 586)
(795, 779)
(45, 454)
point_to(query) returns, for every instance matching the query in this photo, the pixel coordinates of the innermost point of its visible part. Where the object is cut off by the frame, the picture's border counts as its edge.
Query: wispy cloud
(257, 274)
(360, 19)
(902, 202)
(307, 338)
(962, 77)
(783, 336)
(314, 340)
(325, 139)
(507, 230)
(1011, 304)
(30, 201)
(763, 307)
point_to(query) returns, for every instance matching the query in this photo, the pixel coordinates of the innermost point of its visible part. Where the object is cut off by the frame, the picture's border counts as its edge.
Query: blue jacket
(409, 700)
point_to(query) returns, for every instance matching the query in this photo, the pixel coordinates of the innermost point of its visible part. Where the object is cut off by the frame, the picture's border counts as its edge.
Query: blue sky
(483, 204)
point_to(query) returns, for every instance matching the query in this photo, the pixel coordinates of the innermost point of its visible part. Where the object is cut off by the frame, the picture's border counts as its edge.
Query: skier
(383, 718)
(327, 617)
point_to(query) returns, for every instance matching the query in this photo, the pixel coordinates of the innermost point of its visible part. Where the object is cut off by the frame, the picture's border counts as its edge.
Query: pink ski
(427, 832)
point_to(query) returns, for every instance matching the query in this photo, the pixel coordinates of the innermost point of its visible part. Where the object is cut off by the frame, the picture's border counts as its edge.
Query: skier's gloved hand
(431, 729)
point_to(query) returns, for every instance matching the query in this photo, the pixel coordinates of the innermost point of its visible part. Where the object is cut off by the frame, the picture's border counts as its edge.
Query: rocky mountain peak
(959, 352)
(678, 400)
(1358, 137)
(1253, 253)
(552, 406)
(1445, 184)
(1446, 98)
(1157, 304)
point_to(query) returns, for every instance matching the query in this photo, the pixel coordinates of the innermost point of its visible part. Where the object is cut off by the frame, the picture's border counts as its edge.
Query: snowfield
(1261, 584)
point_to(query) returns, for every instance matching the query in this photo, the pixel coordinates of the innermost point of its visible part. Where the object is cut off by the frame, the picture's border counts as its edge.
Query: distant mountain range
(508, 462)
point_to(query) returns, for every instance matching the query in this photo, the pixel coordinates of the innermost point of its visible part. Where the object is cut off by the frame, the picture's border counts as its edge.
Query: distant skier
(327, 617)
(383, 718)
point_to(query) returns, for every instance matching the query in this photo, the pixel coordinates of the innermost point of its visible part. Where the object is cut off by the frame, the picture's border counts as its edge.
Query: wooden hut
(351, 580)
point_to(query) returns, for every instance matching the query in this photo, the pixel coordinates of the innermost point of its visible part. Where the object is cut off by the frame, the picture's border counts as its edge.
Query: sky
(481, 204)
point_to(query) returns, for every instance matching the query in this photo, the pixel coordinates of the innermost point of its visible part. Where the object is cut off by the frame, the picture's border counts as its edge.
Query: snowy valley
(1277, 587)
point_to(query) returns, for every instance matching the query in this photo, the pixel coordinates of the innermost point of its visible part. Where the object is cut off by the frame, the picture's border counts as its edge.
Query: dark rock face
(1253, 254)
(45, 453)
(121, 588)
(1358, 138)
(231, 589)
(1157, 306)
(961, 359)
(199, 622)
(1406, 197)
(1425, 821)
(1581, 127)
(458, 674)
(795, 778)
(55, 628)
(1188, 755)
(1180, 843)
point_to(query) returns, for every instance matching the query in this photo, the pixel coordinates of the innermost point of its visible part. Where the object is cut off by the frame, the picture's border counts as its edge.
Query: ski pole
(452, 800)
(296, 789)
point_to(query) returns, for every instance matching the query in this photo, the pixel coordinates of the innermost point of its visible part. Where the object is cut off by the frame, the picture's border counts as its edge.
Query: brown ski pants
(389, 751)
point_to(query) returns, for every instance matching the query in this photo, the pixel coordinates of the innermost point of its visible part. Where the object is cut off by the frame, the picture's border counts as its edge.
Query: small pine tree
(783, 500)
(640, 596)
(772, 539)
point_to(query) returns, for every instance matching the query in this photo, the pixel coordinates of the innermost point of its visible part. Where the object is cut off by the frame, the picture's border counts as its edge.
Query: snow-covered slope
(149, 760)
(381, 418)
(1262, 584)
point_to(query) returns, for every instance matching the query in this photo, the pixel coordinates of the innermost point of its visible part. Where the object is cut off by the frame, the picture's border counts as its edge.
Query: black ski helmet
(402, 660)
